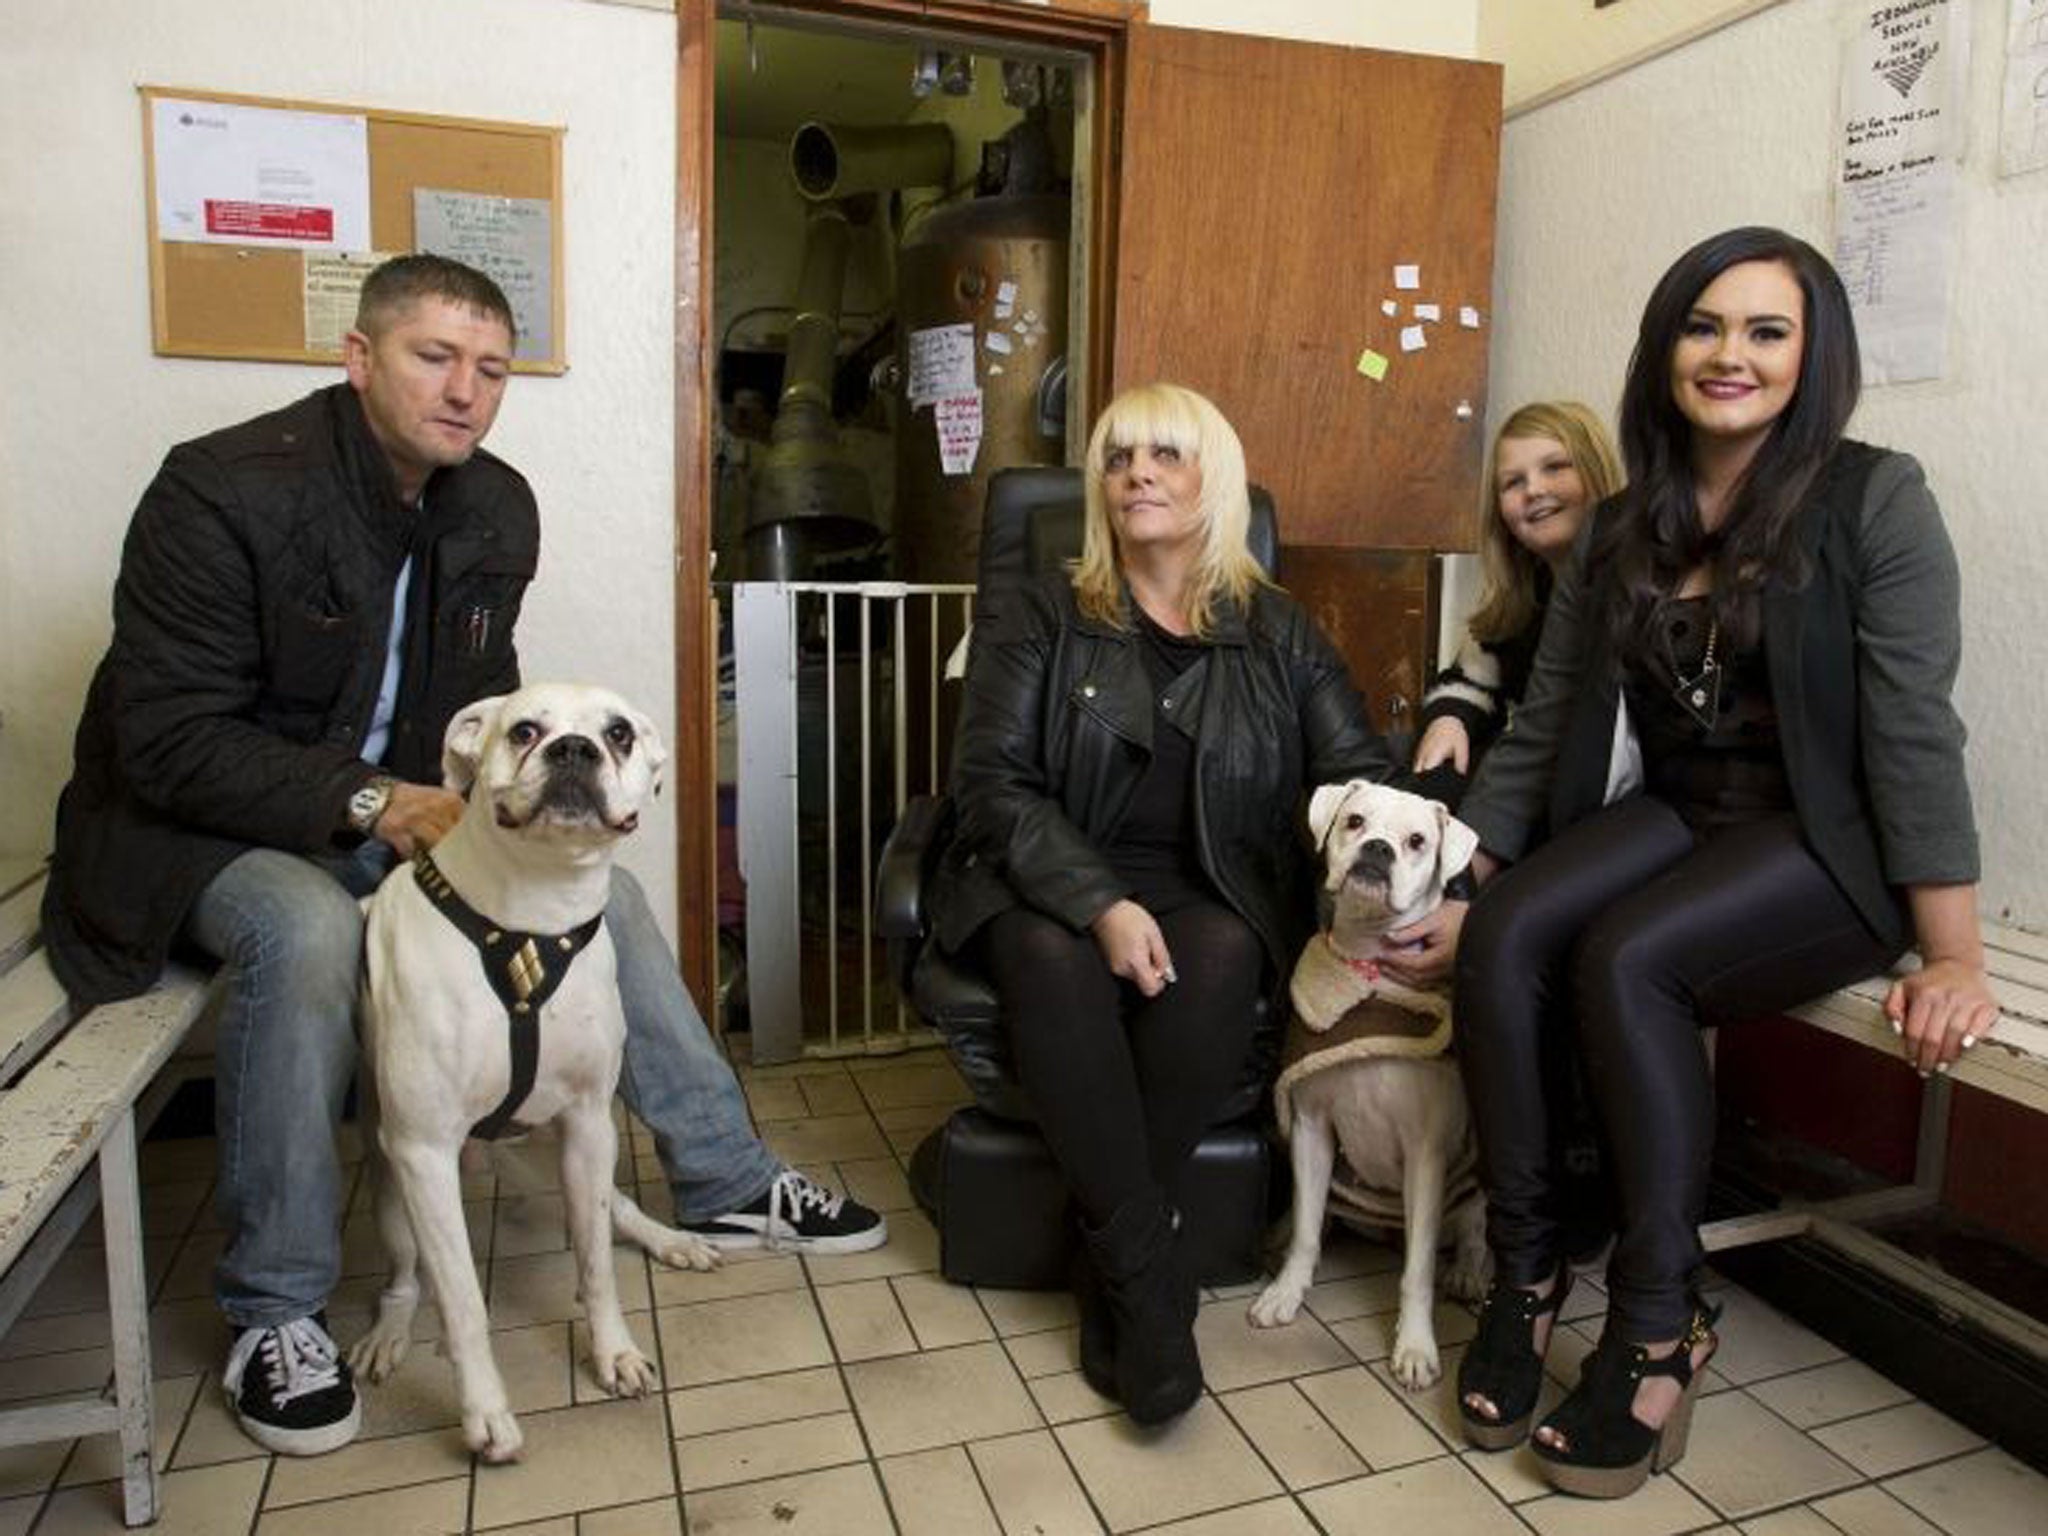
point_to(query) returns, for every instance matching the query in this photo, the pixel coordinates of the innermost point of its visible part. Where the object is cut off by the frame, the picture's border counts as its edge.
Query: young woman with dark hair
(1738, 736)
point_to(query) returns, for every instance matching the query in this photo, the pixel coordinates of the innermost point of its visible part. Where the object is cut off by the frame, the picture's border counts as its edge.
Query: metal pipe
(832, 160)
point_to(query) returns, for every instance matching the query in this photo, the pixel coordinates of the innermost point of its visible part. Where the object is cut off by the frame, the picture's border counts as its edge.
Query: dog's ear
(462, 749)
(1322, 807)
(648, 736)
(1456, 842)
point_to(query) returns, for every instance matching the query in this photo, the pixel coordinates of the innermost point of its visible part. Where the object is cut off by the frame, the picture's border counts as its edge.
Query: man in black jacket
(304, 601)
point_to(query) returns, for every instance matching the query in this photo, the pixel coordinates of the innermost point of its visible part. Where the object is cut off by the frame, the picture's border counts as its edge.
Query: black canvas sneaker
(292, 1391)
(796, 1215)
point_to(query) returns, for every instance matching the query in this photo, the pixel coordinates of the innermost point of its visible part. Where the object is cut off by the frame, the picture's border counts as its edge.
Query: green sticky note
(1372, 365)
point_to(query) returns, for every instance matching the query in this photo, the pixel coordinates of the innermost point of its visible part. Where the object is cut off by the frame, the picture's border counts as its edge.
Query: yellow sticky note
(1372, 365)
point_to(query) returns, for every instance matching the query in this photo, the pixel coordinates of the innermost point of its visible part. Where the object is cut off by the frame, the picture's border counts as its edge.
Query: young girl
(1766, 621)
(1552, 463)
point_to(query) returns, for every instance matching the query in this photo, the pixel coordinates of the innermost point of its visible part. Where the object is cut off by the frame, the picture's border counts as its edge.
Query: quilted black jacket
(251, 616)
(1056, 732)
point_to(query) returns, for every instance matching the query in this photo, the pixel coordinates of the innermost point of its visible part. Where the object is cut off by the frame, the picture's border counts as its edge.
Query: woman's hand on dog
(1446, 741)
(1421, 954)
(1133, 947)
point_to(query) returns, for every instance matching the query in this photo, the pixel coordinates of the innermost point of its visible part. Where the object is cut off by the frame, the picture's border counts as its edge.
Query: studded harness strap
(524, 969)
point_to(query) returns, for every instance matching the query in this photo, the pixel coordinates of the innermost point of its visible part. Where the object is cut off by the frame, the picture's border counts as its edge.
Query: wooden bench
(2011, 1063)
(74, 1087)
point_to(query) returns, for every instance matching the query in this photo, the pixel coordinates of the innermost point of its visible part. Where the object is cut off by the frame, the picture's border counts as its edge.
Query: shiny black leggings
(1633, 931)
(1125, 1085)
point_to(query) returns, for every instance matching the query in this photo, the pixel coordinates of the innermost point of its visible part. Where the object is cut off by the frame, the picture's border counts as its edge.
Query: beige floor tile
(187, 1337)
(98, 1458)
(1893, 1439)
(1987, 1493)
(1660, 1507)
(1871, 1512)
(63, 1374)
(541, 1287)
(170, 1208)
(1437, 1405)
(57, 1333)
(936, 1493)
(741, 1274)
(1032, 1487)
(1441, 1496)
(15, 1515)
(904, 1143)
(1015, 1312)
(191, 1271)
(1372, 1338)
(845, 1501)
(941, 1314)
(1270, 1517)
(421, 1394)
(1045, 1354)
(26, 1469)
(1758, 1341)
(175, 1158)
(657, 1517)
(529, 1224)
(944, 1397)
(913, 1248)
(757, 1400)
(835, 1094)
(366, 1466)
(1066, 1397)
(1346, 1252)
(1235, 1354)
(899, 1087)
(1516, 1475)
(1799, 1520)
(827, 1139)
(742, 1336)
(589, 1457)
(769, 1450)
(564, 1525)
(203, 1502)
(877, 1182)
(780, 1098)
(211, 1435)
(1294, 1438)
(1198, 1463)
(1743, 1458)
(1827, 1393)
(864, 1320)
(1371, 1418)
(1335, 1301)
(430, 1509)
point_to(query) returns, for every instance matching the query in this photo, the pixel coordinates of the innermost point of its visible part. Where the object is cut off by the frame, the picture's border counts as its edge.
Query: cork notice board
(249, 300)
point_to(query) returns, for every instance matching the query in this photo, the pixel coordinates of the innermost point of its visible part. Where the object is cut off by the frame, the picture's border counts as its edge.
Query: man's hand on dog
(1133, 947)
(418, 816)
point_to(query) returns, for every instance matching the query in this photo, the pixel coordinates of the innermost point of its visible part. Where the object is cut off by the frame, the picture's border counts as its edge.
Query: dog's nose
(572, 751)
(1375, 856)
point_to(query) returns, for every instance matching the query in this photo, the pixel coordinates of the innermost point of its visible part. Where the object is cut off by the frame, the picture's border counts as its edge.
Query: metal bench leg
(128, 1308)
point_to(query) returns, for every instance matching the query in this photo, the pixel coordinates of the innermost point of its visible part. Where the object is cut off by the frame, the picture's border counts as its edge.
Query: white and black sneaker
(796, 1214)
(292, 1391)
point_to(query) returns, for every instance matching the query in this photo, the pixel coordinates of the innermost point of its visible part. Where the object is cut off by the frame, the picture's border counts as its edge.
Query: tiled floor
(840, 1397)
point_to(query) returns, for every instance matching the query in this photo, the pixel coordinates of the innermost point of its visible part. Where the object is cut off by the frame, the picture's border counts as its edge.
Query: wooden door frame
(1096, 29)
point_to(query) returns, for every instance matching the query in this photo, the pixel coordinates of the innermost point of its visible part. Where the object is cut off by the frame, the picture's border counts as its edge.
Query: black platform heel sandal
(1501, 1363)
(1609, 1453)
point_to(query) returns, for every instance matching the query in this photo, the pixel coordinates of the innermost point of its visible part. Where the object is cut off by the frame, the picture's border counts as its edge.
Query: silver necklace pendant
(1700, 694)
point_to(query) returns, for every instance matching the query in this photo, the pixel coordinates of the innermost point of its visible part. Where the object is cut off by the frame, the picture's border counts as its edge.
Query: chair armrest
(908, 858)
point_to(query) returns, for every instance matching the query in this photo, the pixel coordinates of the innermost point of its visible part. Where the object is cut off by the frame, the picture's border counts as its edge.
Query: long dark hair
(1654, 536)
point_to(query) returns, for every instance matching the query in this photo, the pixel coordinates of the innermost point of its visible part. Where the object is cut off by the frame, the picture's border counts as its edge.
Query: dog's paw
(685, 1250)
(380, 1352)
(1469, 1275)
(627, 1373)
(1415, 1363)
(1276, 1305)
(493, 1433)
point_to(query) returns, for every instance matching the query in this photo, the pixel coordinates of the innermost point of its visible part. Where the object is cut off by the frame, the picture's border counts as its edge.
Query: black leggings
(1633, 930)
(1125, 1085)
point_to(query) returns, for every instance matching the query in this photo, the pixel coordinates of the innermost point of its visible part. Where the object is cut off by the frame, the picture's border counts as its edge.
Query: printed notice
(2023, 132)
(511, 238)
(234, 175)
(941, 362)
(958, 419)
(333, 285)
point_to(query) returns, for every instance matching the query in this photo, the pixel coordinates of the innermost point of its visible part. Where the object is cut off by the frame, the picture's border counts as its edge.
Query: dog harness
(523, 969)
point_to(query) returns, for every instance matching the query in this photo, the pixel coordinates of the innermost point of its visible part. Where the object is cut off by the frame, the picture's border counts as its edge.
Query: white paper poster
(234, 175)
(334, 285)
(512, 239)
(2023, 133)
(941, 362)
(958, 419)
(1901, 131)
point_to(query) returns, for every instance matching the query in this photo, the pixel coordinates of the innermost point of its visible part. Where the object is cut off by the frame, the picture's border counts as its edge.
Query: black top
(1154, 848)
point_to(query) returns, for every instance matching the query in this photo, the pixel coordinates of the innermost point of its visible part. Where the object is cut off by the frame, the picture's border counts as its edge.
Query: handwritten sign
(958, 419)
(511, 238)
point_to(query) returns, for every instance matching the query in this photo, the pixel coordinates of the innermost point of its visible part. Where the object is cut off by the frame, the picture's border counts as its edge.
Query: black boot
(1098, 1325)
(1152, 1298)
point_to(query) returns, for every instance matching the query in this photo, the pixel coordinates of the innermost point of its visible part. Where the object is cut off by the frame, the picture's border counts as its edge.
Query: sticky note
(996, 341)
(1412, 339)
(1468, 317)
(1372, 365)
(1389, 308)
(1428, 312)
(1408, 275)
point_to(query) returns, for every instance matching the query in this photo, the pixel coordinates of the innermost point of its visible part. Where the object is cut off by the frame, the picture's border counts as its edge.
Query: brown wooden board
(1267, 191)
(1379, 610)
(248, 302)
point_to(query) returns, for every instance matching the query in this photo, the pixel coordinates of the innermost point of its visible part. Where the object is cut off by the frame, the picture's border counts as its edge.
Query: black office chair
(986, 1177)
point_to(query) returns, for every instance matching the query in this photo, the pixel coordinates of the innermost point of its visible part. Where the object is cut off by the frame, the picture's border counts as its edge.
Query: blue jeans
(289, 932)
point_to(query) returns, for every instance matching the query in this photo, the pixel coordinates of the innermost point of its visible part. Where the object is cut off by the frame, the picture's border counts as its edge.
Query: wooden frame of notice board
(249, 301)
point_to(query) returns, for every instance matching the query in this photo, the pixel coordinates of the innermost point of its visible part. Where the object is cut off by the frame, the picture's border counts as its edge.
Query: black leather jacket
(1056, 733)
(251, 617)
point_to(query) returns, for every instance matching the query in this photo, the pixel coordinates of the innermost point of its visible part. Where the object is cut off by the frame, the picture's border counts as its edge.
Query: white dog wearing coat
(463, 949)
(1365, 1072)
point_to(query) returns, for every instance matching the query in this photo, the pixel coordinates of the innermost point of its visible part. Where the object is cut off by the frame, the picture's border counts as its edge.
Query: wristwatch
(367, 803)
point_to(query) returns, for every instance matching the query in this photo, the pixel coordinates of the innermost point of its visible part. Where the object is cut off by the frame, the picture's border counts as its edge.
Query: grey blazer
(1862, 659)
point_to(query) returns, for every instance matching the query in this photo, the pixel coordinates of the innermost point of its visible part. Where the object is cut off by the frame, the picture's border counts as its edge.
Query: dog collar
(523, 969)
(1368, 970)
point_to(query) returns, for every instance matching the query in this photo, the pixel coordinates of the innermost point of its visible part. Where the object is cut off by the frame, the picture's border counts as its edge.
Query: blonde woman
(1552, 463)
(1137, 738)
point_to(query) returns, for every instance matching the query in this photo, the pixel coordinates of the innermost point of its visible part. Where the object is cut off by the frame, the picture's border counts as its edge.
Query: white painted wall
(90, 410)
(1601, 190)
(1449, 27)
